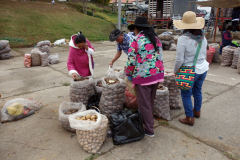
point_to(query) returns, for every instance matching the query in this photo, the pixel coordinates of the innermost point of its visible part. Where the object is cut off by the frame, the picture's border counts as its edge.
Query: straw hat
(189, 21)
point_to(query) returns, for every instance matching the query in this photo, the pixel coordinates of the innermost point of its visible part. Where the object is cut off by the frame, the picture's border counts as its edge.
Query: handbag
(186, 74)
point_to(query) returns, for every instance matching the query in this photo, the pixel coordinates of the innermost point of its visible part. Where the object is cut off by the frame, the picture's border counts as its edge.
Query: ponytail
(80, 38)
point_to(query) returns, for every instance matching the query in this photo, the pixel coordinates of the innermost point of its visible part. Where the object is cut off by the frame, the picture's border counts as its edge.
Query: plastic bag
(35, 57)
(161, 107)
(59, 42)
(44, 60)
(130, 100)
(210, 54)
(5, 50)
(115, 72)
(113, 97)
(126, 127)
(90, 134)
(43, 43)
(174, 92)
(173, 47)
(66, 106)
(80, 91)
(227, 55)
(14, 107)
(3, 44)
(53, 59)
(165, 36)
(27, 60)
(93, 102)
(45, 48)
(5, 56)
(216, 56)
(235, 58)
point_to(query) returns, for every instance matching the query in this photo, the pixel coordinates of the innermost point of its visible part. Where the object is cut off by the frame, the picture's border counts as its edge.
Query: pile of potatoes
(111, 81)
(88, 118)
(174, 92)
(113, 97)
(92, 140)
(227, 56)
(81, 94)
(235, 58)
(71, 111)
(161, 107)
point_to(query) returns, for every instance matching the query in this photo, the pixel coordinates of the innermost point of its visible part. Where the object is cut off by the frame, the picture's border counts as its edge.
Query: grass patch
(66, 84)
(163, 123)
(231, 156)
(92, 157)
(24, 26)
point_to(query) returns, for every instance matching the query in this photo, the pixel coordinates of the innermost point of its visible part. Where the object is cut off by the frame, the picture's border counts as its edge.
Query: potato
(88, 116)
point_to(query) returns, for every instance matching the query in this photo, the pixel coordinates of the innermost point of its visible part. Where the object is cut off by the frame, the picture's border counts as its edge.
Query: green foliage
(104, 2)
(24, 26)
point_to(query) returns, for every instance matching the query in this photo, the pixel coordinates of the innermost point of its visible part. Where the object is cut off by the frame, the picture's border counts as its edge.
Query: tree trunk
(93, 12)
(86, 6)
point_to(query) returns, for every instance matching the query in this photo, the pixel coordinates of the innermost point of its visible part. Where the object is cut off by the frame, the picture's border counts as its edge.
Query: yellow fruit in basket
(93, 117)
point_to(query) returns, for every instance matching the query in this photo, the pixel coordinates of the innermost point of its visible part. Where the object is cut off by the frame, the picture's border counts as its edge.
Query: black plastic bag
(93, 102)
(126, 127)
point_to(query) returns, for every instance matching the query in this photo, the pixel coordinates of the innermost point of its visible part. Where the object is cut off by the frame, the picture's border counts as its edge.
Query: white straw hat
(189, 21)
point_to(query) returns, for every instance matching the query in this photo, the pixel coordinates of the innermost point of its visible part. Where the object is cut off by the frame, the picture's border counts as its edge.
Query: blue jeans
(196, 91)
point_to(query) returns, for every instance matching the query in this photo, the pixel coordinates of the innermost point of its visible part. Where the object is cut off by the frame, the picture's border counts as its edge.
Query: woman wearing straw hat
(186, 52)
(145, 65)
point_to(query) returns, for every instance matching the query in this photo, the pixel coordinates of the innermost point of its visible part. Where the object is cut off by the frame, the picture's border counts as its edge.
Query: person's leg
(153, 93)
(187, 102)
(197, 91)
(144, 105)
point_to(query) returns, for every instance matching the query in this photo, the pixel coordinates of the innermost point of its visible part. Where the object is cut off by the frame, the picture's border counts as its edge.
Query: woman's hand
(86, 47)
(74, 75)
(175, 74)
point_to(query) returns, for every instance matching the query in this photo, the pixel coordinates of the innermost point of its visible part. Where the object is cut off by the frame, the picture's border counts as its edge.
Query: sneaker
(149, 135)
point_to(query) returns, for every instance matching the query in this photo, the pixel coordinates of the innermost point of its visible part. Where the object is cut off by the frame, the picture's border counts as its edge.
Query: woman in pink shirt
(80, 60)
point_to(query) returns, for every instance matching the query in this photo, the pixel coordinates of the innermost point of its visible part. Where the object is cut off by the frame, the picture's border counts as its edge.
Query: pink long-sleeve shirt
(78, 59)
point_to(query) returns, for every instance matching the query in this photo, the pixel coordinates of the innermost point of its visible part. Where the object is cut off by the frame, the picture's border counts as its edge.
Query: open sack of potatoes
(113, 95)
(81, 89)
(66, 109)
(91, 129)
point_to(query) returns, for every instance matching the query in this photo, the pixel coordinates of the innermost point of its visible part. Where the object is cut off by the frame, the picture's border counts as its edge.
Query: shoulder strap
(198, 50)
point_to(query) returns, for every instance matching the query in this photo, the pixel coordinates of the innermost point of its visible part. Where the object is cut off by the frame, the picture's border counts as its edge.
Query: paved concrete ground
(215, 136)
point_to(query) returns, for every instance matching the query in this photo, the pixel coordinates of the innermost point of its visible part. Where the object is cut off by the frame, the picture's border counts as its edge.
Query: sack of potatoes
(161, 107)
(115, 72)
(174, 92)
(66, 109)
(80, 91)
(91, 129)
(113, 96)
(227, 56)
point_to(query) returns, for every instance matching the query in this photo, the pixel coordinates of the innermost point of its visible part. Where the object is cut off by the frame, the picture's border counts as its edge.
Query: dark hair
(150, 34)
(196, 32)
(80, 38)
(229, 28)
